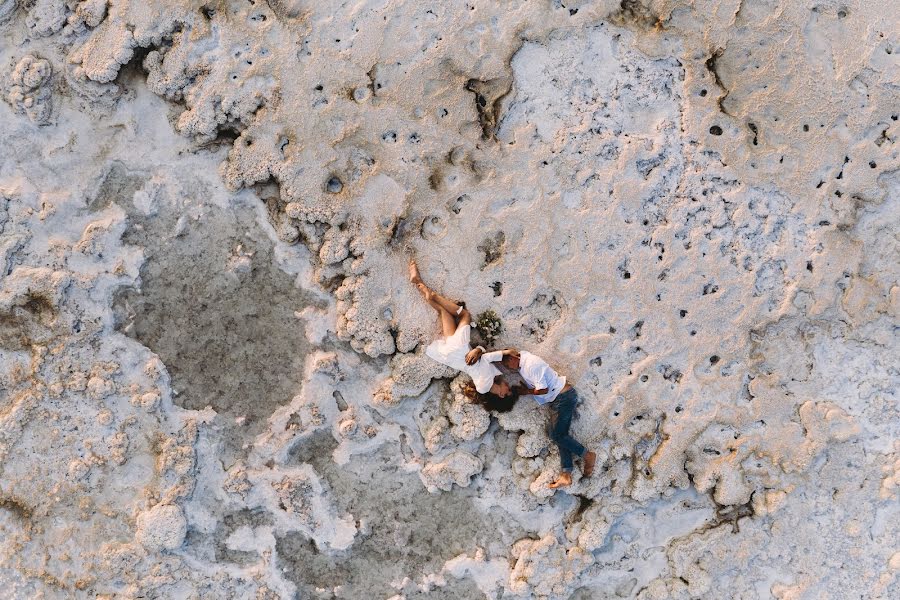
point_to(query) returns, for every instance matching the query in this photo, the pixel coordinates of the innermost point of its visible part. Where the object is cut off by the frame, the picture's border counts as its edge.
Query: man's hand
(474, 355)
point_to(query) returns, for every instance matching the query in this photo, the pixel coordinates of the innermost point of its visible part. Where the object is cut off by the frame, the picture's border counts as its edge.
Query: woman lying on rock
(491, 390)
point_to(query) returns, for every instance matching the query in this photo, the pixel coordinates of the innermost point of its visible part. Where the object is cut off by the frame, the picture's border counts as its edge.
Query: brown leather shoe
(590, 458)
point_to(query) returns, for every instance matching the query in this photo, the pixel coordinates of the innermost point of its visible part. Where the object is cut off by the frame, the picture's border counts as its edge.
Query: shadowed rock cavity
(214, 547)
(412, 532)
(31, 321)
(489, 97)
(217, 310)
(119, 182)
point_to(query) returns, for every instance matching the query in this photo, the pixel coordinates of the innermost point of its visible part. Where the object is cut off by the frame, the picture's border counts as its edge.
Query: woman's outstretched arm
(478, 352)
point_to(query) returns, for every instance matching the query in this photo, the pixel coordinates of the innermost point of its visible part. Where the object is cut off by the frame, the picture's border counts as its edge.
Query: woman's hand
(474, 355)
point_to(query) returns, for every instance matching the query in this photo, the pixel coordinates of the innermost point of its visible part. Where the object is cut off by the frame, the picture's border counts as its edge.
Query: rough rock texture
(27, 91)
(457, 467)
(161, 527)
(211, 361)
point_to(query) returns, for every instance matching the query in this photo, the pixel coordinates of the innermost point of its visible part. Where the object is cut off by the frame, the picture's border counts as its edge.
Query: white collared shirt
(539, 375)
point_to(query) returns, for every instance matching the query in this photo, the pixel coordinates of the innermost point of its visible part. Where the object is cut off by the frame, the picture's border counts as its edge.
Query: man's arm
(524, 390)
(478, 352)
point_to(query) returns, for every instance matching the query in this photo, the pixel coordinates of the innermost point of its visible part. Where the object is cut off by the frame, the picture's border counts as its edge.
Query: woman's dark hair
(494, 402)
(490, 401)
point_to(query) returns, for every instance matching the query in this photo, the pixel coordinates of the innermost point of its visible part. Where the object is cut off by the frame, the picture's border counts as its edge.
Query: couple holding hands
(490, 388)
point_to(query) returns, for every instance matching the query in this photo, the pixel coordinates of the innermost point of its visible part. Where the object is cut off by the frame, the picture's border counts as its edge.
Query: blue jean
(562, 411)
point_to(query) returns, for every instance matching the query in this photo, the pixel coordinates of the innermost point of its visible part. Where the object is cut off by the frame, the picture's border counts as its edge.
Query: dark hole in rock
(489, 97)
(492, 248)
(32, 321)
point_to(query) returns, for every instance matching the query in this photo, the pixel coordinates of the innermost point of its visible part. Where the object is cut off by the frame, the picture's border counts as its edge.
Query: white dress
(451, 351)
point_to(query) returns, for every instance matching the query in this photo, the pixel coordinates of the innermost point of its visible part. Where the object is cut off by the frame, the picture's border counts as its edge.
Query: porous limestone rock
(457, 467)
(544, 568)
(467, 419)
(46, 17)
(689, 209)
(529, 419)
(162, 527)
(28, 90)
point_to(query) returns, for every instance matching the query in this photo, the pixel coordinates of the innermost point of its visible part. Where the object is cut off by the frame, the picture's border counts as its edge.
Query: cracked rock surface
(212, 377)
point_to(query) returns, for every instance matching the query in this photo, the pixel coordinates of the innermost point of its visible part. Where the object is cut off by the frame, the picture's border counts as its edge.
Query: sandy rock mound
(162, 527)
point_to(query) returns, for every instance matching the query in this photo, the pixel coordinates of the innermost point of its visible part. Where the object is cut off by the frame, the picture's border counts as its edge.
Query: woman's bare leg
(460, 315)
(449, 305)
(440, 303)
(448, 321)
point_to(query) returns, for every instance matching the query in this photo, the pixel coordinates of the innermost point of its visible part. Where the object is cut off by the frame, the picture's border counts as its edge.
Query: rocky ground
(212, 379)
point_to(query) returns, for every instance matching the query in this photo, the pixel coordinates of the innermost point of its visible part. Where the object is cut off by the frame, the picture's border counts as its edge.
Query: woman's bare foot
(414, 276)
(590, 459)
(426, 292)
(564, 479)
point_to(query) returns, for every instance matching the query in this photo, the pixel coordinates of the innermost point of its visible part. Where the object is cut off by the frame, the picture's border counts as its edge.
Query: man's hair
(507, 360)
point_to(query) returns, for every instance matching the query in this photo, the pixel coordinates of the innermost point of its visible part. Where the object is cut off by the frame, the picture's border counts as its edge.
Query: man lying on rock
(547, 387)
(491, 390)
